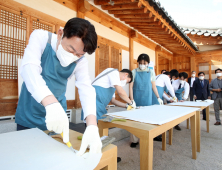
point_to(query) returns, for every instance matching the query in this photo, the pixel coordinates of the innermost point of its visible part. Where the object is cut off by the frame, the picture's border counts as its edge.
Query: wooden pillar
(157, 51)
(133, 34)
(83, 7)
(171, 63)
(210, 76)
(192, 64)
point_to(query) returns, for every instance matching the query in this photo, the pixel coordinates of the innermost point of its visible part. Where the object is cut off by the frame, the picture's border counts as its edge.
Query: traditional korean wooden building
(125, 28)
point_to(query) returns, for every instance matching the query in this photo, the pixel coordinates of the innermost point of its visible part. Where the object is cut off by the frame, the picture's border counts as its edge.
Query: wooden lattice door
(13, 39)
(39, 24)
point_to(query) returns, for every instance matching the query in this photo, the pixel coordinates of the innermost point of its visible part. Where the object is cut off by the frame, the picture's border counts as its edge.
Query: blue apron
(164, 90)
(142, 88)
(29, 112)
(160, 92)
(178, 93)
(103, 97)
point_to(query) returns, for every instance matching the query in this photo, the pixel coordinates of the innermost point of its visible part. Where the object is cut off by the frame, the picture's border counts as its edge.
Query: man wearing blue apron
(105, 84)
(48, 62)
(163, 83)
(141, 87)
(180, 85)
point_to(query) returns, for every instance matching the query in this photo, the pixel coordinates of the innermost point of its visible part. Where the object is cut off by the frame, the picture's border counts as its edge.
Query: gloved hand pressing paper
(91, 138)
(133, 104)
(57, 120)
(160, 101)
(174, 99)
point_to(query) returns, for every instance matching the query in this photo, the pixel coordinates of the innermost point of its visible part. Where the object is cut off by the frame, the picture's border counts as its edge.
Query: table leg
(112, 163)
(198, 130)
(193, 136)
(164, 141)
(188, 123)
(146, 154)
(208, 118)
(103, 131)
(171, 136)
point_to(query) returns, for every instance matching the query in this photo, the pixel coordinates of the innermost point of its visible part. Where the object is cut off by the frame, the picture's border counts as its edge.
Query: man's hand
(218, 90)
(195, 97)
(171, 101)
(91, 138)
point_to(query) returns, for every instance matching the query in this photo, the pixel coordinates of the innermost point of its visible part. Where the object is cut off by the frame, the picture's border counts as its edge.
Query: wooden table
(201, 105)
(146, 132)
(109, 157)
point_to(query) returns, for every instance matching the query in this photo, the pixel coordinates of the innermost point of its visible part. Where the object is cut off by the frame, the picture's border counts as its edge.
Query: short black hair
(217, 70)
(183, 74)
(130, 74)
(144, 57)
(83, 29)
(162, 71)
(201, 73)
(167, 73)
(193, 71)
(174, 72)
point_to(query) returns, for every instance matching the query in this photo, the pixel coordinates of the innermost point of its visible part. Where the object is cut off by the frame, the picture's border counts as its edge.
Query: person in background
(163, 83)
(216, 88)
(163, 71)
(201, 90)
(167, 96)
(140, 89)
(105, 84)
(190, 81)
(180, 85)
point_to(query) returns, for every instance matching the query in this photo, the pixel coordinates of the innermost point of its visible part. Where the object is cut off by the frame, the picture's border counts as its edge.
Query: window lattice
(39, 25)
(12, 42)
(103, 57)
(115, 54)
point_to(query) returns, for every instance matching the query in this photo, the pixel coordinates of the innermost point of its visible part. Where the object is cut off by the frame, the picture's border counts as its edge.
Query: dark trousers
(20, 127)
(204, 110)
(191, 93)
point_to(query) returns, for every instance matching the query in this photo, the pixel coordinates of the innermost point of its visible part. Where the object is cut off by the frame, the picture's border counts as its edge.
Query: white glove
(133, 104)
(56, 120)
(160, 101)
(174, 99)
(91, 138)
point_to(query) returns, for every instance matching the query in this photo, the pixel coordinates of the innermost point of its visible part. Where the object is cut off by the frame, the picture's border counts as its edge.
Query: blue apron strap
(104, 75)
(49, 37)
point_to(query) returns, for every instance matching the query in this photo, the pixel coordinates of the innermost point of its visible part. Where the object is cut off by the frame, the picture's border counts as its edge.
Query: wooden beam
(136, 20)
(105, 2)
(83, 6)
(133, 34)
(210, 75)
(135, 11)
(133, 5)
(157, 50)
(154, 12)
(131, 15)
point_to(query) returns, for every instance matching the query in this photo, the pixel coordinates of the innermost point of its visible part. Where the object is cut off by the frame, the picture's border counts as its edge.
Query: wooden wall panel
(163, 64)
(182, 64)
(8, 88)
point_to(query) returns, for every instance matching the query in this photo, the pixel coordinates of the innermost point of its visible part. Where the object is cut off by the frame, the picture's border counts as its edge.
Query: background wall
(139, 49)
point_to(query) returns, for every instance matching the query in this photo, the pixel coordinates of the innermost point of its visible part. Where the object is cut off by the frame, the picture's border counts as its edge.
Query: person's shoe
(158, 138)
(118, 159)
(217, 123)
(133, 145)
(177, 127)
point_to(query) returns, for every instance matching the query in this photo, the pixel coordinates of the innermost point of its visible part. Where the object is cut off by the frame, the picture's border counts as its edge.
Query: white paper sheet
(34, 150)
(156, 114)
(193, 103)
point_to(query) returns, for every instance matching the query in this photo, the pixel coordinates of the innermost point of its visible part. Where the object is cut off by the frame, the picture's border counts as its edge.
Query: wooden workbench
(146, 132)
(201, 105)
(109, 157)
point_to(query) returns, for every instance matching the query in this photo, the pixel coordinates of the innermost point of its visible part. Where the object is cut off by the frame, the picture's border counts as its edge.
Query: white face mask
(193, 75)
(65, 58)
(182, 82)
(218, 74)
(123, 83)
(143, 67)
(201, 77)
